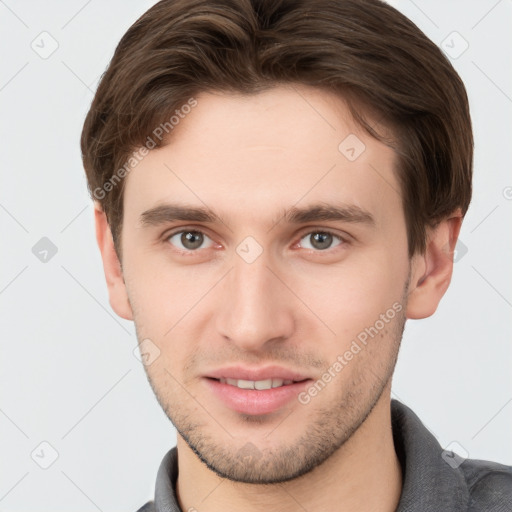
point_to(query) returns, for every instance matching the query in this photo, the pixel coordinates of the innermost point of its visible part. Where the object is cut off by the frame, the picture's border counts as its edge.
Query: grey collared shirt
(434, 480)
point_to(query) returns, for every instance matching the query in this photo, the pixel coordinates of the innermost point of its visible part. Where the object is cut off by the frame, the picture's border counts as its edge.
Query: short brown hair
(364, 50)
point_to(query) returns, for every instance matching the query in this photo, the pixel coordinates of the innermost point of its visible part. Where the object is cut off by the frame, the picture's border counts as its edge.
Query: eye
(189, 239)
(321, 240)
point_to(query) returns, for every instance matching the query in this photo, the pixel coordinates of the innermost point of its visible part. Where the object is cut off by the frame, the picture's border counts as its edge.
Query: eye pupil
(191, 239)
(321, 240)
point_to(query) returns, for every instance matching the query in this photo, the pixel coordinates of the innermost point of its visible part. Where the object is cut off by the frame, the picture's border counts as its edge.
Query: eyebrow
(315, 213)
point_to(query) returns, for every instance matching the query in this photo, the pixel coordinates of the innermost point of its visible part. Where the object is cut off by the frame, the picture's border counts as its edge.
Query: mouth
(258, 396)
(259, 385)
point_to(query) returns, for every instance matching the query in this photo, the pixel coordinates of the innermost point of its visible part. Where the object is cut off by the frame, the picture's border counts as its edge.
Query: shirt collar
(429, 483)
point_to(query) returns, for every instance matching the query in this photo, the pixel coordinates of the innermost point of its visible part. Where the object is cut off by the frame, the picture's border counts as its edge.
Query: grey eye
(189, 240)
(320, 240)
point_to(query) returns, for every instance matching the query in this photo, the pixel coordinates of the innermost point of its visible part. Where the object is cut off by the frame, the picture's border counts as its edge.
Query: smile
(256, 384)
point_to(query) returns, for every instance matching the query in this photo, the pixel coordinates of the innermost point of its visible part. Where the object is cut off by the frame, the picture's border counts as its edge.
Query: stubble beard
(331, 427)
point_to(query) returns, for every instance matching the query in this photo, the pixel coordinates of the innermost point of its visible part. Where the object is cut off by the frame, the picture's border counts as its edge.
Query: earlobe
(111, 265)
(432, 271)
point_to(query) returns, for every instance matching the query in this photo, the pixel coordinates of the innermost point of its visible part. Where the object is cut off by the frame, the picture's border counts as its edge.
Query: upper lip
(254, 374)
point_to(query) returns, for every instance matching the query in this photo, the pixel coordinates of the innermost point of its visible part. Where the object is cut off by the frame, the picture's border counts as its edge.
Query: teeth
(244, 384)
(263, 384)
(256, 384)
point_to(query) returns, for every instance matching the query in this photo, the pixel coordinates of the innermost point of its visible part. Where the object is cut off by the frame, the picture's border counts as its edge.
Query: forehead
(251, 155)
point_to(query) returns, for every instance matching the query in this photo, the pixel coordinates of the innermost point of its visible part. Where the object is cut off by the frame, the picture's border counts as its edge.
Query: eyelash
(189, 252)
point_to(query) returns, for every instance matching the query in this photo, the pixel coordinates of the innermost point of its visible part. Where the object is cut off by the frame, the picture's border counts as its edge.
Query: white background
(68, 373)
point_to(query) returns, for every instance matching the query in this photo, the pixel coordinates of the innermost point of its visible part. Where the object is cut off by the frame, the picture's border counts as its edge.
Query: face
(292, 281)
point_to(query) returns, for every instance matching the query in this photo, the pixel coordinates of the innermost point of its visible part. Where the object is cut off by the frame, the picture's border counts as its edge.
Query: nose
(255, 309)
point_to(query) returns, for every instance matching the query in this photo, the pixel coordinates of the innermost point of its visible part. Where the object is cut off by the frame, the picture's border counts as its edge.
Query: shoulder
(437, 479)
(148, 507)
(489, 485)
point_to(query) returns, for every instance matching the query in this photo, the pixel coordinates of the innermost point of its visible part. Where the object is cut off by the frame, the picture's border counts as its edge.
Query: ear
(112, 266)
(431, 272)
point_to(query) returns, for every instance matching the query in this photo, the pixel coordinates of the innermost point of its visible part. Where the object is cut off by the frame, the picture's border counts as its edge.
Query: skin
(298, 306)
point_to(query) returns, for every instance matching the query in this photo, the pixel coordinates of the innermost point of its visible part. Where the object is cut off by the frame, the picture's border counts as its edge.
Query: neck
(364, 474)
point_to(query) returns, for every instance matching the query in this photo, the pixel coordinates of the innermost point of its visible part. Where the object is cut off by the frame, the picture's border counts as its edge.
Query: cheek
(166, 301)
(351, 296)
(161, 289)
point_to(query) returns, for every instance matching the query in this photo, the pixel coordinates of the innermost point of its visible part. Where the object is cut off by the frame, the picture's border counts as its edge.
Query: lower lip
(253, 401)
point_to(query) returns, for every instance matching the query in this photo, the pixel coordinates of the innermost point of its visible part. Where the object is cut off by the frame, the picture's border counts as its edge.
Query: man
(279, 185)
